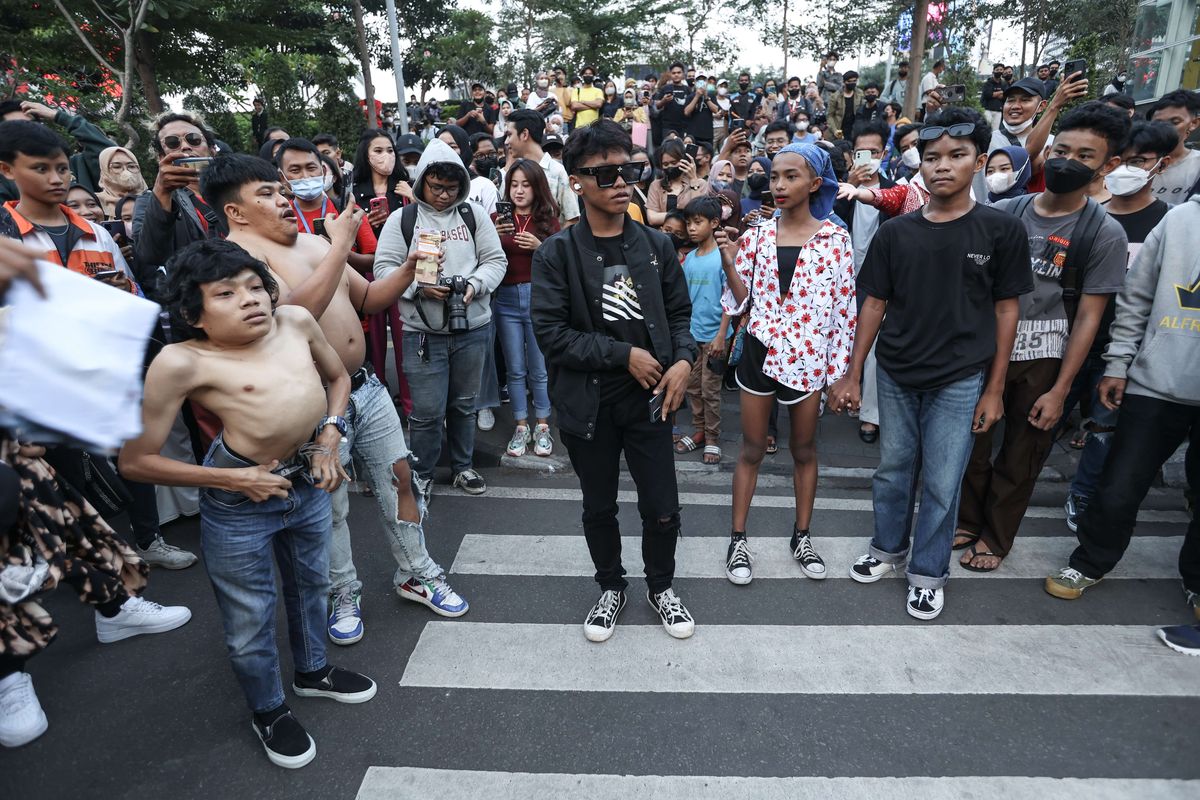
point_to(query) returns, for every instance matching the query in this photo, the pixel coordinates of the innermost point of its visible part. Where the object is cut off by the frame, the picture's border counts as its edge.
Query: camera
(456, 302)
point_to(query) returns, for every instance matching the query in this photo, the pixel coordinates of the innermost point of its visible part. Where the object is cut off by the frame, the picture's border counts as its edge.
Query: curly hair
(200, 263)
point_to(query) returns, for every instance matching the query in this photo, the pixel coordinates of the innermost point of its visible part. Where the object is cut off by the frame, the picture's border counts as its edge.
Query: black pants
(1148, 432)
(625, 426)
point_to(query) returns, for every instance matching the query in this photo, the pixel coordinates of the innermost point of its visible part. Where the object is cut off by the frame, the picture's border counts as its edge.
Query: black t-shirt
(787, 257)
(474, 126)
(59, 234)
(700, 124)
(1137, 227)
(622, 312)
(671, 114)
(744, 104)
(941, 281)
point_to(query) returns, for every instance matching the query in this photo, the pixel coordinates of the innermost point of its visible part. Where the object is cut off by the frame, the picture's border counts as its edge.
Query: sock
(315, 676)
(111, 608)
(268, 717)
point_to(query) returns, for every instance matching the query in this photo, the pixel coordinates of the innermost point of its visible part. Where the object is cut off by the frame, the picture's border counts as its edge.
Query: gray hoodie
(1156, 334)
(481, 260)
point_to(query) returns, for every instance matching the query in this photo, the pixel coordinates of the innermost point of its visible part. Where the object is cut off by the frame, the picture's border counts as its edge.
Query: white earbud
(578, 188)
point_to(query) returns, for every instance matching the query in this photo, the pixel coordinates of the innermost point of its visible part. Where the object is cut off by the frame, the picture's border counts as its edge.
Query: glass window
(1150, 26)
(1144, 73)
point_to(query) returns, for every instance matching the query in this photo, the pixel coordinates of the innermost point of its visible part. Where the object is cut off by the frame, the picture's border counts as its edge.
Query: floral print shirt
(808, 334)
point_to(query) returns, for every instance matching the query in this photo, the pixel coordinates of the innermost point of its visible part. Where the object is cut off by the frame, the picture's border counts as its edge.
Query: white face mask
(911, 158)
(1018, 129)
(543, 83)
(817, 135)
(328, 179)
(875, 164)
(308, 189)
(610, 91)
(722, 91)
(802, 125)
(1000, 182)
(1124, 181)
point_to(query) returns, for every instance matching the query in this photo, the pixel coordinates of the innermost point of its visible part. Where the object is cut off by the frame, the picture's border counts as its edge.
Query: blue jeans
(237, 539)
(375, 441)
(924, 434)
(510, 305)
(1095, 450)
(443, 372)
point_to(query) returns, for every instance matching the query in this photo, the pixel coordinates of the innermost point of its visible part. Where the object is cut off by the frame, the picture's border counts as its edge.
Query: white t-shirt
(483, 192)
(556, 176)
(928, 83)
(866, 222)
(1177, 180)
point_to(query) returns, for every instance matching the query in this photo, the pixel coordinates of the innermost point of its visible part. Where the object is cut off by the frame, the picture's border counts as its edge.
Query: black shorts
(750, 377)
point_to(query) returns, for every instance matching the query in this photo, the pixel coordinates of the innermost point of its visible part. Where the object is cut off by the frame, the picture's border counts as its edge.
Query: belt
(222, 456)
(359, 378)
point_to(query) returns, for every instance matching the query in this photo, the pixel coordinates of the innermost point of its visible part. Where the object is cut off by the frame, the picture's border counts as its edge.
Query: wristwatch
(337, 422)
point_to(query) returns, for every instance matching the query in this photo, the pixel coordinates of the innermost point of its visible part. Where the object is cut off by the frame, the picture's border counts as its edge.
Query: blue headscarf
(820, 204)
(1019, 157)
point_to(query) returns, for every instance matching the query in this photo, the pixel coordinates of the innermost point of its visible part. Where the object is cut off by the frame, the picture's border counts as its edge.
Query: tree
(461, 52)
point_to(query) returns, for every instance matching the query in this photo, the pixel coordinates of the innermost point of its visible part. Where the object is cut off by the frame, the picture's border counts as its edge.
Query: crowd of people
(594, 252)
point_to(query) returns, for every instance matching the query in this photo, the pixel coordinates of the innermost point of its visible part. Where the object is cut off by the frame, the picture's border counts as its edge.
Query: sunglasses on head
(175, 142)
(956, 131)
(606, 174)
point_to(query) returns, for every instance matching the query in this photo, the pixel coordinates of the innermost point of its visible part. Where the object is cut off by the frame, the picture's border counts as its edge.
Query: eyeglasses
(1141, 162)
(443, 191)
(606, 174)
(175, 142)
(956, 131)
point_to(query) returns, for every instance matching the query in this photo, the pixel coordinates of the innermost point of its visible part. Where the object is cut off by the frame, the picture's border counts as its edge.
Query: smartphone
(378, 204)
(691, 150)
(768, 199)
(954, 94)
(319, 227)
(1073, 66)
(862, 158)
(109, 275)
(656, 407)
(116, 229)
(737, 124)
(198, 163)
(672, 202)
(504, 212)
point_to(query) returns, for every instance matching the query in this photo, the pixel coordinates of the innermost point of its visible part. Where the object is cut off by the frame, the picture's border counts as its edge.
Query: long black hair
(206, 261)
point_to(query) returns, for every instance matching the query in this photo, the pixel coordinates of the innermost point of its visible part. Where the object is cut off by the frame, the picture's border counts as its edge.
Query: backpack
(1079, 252)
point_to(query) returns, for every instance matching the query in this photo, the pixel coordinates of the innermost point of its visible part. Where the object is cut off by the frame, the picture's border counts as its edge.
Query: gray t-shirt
(1042, 331)
(1177, 179)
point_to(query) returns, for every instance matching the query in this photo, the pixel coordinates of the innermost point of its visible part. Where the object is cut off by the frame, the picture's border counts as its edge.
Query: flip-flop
(974, 537)
(772, 446)
(685, 445)
(975, 553)
(712, 450)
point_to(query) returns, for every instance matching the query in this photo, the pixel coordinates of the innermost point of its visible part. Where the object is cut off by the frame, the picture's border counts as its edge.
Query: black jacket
(568, 274)
(985, 94)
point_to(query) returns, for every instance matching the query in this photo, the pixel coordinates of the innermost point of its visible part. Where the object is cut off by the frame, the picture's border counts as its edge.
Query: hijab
(1020, 164)
(113, 185)
(462, 140)
(715, 170)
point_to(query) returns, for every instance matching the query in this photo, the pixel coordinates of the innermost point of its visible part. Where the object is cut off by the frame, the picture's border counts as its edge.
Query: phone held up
(1073, 66)
(504, 213)
(862, 158)
(116, 229)
(197, 163)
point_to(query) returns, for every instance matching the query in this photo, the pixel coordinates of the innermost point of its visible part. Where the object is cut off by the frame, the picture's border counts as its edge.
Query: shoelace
(542, 437)
(925, 596)
(161, 544)
(440, 586)
(741, 554)
(20, 695)
(807, 553)
(607, 607)
(868, 561)
(343, 607)
(143, 605)
(1069, 574)
(670, 605)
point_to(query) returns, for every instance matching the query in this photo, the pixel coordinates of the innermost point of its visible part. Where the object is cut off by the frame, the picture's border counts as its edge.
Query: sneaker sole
(441, 612)
(28, 736)
(470, 491)
(344, 641)
(341, 697)
(816, 576)
(1063, 592)
(736, 581)
(288, 762)
(922, 615)
(594, 634)
(110, 636)
(1162, 635)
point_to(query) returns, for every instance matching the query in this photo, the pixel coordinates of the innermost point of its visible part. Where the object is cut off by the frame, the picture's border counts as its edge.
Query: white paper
(72, 361)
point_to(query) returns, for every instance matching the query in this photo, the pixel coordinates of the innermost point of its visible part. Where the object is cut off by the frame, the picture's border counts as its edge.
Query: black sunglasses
(174, 142)
(956, 131)
(606, 174)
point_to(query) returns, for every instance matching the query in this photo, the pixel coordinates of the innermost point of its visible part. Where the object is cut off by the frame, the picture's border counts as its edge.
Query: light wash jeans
(925, 434)
(869, 409)
(375, 441)
(237, 538)
(443, 372)
(523, 359)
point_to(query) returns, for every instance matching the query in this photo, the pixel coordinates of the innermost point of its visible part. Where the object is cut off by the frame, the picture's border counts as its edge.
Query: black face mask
(588, 79)
(1066, 175)
(871, 99)
(794, 92)
(679, 242)
(997, 75)
(850, 87)
(744, 86)
(903, 73)
(672, 173)
(691, 81)
(485, 164)
(757, 181)
(478, 101)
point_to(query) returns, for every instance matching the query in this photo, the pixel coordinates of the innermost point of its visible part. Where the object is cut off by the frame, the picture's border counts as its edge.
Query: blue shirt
(706, 281)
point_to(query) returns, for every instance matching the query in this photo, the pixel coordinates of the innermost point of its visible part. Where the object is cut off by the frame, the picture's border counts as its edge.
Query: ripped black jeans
(626, 426)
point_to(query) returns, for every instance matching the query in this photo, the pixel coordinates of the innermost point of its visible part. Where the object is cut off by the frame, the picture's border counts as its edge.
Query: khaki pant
(995, 494)
(704, 396)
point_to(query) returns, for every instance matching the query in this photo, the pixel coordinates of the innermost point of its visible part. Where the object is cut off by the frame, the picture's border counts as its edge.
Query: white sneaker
(925, 603)
(486, 419)
(138, 616)
(543, 442)
(167, 556)
(21, 717)
(674, 615)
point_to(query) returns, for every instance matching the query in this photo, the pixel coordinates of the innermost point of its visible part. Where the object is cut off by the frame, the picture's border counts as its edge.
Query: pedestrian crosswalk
(1041, 699)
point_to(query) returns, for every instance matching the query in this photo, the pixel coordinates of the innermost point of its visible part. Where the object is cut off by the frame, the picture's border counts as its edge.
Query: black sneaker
(339, 684)
(738, 561)
(470, 482)
(802, 550)
(925, 603)
(602, 619)
(287, 744)
(674, 615)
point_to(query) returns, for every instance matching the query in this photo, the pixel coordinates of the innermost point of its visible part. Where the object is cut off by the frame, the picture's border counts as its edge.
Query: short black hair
(1119, 100)
(202, 262)
(476, 138)
(602, 136)
(1180, 98)
(526, 119)
(677, 215)
(951, 115)
(997, 64)
(675, 64)
(896, 108)
(874, 127)
(743, 75)
(121, 203)
(705, 146)
(941, 62)
(706, 206)
(224, 178)
(325, 138)
(795, 78)
(902, 64)
(848, 74)
(1054, 61)
(30, 139)
(9, 106)
(1099, 118)
(1147, 136)
(267, 133)
(163, 120)
(445, 171)
(873, 85)
(296, 143)
(778, 125)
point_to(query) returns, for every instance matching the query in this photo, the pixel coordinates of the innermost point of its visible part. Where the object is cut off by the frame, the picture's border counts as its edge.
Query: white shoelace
(741, 556)
(1069, 574)
(925, 596)
(670, 604)
(606, 607)
(343, 607)
(140, 605)
(807, 553)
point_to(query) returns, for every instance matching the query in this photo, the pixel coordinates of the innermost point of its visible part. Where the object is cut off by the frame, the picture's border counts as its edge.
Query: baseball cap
(552, 140)
(409, 143)
(1031, 86)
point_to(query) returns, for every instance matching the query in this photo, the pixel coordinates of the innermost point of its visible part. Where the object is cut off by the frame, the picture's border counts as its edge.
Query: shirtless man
(265, 478)
(313, 273)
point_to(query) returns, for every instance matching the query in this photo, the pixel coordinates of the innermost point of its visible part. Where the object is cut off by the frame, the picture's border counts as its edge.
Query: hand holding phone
(862, 158)
(1075, 65)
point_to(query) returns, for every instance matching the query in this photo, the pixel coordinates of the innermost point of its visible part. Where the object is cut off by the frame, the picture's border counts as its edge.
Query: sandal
(974, 552)
(971, 538)
(772, 446)
(687, 444)
(712, 454)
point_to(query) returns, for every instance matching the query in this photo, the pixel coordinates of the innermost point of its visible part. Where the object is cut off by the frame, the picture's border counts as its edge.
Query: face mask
(673, 173)
(911, 158)
(1066, 175)
(679, 242)
(722, 91)
(543, 83)
(647, 172)
(328, 180)
(382, 163)
(719, 186)
(794, 92)
(757, 181)
(630, 101)
(743, 86)
(817, 135)
(129, 231)
(1124, 181)
(486, 164)
(726, 211)
(850, 87)
(589, 79)
(712, 87)
(802, 125)
(308, 189)
(1122, 78)
(610, 91)
(125, 181)
(1017, 129)
(875, 164)
(1001, 182)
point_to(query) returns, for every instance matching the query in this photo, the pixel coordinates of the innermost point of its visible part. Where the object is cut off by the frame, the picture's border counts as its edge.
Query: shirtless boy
(265, 478)
(313, 273)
